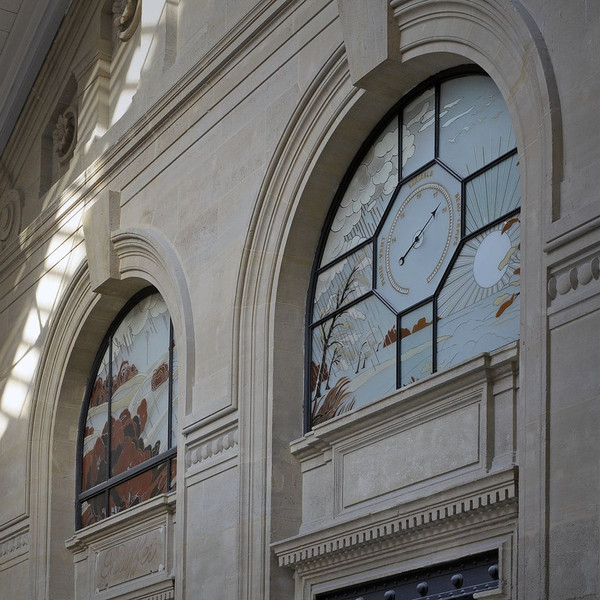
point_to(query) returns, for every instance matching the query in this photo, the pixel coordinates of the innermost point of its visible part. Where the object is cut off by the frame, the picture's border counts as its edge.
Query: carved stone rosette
(10, 216)
(64, 136)
(127, 16)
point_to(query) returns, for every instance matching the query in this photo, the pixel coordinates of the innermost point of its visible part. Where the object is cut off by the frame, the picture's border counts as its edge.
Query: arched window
(128, 427)
(418, 267)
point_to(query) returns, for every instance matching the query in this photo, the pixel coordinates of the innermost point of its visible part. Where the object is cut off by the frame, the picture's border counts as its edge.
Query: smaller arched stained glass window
(419, 262)
(128, 433)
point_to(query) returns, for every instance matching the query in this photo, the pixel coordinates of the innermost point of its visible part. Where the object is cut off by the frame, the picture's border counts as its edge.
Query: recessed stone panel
(130, 559)
(432, 448)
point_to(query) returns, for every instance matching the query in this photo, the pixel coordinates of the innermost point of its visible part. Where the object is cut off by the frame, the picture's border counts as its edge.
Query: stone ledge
(465, 380)
(495, 494)
(146, 515)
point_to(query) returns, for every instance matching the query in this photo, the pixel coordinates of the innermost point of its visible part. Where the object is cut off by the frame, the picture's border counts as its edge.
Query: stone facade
(200, 147)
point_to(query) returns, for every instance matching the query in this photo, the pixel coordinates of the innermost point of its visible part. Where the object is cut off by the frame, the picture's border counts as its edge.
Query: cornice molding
(51, 77)
(494, 499)
(33, 31)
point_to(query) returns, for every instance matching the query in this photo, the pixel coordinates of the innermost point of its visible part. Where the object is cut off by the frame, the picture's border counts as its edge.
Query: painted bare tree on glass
(332, 354)
(350, 346)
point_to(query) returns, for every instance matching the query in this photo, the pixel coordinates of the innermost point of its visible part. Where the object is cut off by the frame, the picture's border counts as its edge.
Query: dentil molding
(168, 595)
(495, 498)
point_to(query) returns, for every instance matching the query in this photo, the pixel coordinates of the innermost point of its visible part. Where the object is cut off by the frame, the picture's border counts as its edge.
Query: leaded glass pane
(366, 196)
(492, 194)
(93, 467)
(416, 344)
(138, 380)
(478, 307)
(138, 489)
(382, 260)
(418, 132)
(173, 473)
(475, 126)
(418, 238)
(354, 359)
(344, 282)
(93, 509)
(140, 401)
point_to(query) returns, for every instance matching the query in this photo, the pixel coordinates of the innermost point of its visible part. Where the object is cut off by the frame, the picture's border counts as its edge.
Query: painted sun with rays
(488, 263)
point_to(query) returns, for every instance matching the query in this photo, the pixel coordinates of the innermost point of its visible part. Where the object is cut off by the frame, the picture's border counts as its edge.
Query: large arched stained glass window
(128, 432)
(419, 263)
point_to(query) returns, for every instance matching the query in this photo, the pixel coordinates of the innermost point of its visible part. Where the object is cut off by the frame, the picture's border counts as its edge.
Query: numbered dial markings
(418, 238)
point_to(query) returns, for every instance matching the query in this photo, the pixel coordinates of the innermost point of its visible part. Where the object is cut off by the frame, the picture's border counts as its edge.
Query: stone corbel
(99, 221)
(372, 41)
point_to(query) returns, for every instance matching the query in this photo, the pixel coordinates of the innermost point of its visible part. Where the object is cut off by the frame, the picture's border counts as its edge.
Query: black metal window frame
(167, 456)
(435, 81)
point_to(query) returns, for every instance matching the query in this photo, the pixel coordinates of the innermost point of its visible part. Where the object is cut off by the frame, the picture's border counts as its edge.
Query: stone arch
(330, 123)
(75, 333)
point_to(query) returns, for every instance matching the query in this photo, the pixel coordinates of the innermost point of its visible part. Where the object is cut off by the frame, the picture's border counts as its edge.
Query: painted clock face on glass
(419, 262)
(418, 238)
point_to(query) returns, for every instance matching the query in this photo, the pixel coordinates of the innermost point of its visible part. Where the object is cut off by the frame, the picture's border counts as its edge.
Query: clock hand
(419, 234)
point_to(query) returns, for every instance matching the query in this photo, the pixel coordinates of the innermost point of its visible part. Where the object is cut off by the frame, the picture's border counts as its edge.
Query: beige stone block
(317, 499)
(318, 48)
(99, 220)
(441, 445)
(212, 542)
(13, 457)
(277, 80)
(14, 581)
(372, 42)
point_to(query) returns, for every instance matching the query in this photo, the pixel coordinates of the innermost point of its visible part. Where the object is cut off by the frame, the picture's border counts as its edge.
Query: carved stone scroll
(127, 16)
(10, 217)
